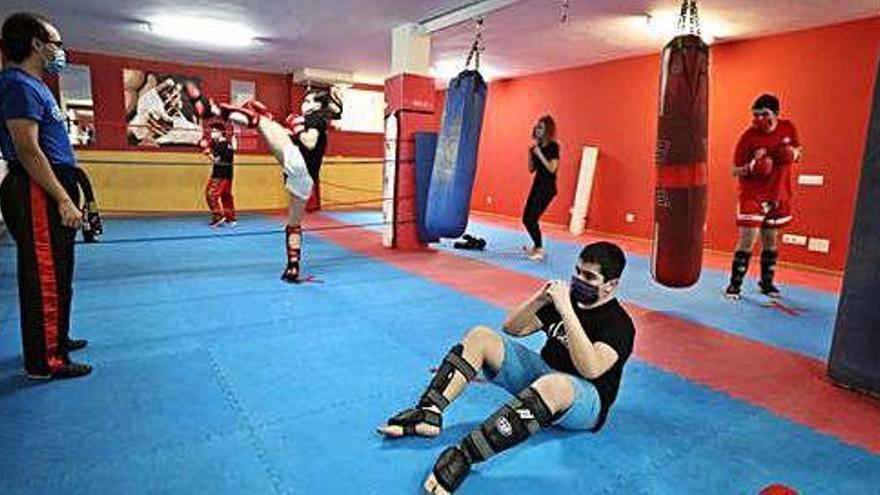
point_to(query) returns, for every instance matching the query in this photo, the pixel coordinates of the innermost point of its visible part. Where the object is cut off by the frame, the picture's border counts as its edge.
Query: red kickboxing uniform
(765, 200)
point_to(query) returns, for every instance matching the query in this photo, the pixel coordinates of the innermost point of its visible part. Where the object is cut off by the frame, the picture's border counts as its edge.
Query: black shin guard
(511, 425)
(516, 421)
(452, 363)
(739, 268)
(435, 395)
(768, 267)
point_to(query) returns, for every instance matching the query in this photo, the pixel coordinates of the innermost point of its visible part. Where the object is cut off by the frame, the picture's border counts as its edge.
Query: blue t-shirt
(23, 96)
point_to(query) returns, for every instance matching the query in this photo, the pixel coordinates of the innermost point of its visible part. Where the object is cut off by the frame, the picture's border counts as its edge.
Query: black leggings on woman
(539, 199)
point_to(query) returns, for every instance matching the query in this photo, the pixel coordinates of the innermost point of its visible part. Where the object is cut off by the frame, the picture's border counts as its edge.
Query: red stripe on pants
(46, 274)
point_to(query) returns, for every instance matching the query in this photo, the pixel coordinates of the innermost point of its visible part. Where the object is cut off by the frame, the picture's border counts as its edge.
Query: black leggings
(539, 200)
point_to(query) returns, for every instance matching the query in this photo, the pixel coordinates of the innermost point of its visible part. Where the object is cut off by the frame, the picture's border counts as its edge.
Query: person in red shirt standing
(763, 161)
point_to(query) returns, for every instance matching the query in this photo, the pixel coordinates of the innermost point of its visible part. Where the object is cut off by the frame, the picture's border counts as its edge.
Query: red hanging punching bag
(680, 193)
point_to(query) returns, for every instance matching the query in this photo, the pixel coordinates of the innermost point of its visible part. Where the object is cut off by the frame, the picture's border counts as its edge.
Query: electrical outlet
(794, 239)
(819, 245)
(811, 180)
(630, 217)
(488, 200)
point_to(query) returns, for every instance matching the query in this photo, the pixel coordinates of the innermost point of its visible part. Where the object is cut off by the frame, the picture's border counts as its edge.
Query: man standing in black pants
(543, 162)
(39, 196)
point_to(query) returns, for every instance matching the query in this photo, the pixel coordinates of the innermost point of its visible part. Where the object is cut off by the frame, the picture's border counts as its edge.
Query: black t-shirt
(609, 323)
(314, 157)
(544, 178)
(223, 156)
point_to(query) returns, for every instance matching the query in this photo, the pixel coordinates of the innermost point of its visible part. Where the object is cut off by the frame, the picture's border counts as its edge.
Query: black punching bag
(855, 351)
(680, 192)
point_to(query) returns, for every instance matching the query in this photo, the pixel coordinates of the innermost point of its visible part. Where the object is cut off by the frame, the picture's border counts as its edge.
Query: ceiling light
(203, 31)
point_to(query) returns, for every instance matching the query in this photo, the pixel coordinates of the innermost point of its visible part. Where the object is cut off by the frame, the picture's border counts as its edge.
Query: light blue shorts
(522, 366)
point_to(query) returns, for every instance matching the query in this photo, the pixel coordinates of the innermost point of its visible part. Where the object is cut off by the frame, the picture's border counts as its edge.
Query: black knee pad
(454, 361)
(516, 421)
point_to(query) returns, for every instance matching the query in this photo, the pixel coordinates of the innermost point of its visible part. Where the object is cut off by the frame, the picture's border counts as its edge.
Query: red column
(411, 98)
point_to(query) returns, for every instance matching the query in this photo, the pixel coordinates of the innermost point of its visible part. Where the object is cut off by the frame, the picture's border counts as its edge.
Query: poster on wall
(163, 109)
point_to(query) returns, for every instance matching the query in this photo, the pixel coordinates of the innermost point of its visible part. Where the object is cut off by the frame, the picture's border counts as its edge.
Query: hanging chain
(689, 18)
(477, 47)
(563, 12)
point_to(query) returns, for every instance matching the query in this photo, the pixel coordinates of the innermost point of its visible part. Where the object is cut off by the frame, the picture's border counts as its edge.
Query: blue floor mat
(808, 333)
(212, 376)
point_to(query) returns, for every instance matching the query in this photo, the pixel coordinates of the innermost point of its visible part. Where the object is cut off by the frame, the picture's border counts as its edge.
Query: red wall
(275, 90)
(824, 78)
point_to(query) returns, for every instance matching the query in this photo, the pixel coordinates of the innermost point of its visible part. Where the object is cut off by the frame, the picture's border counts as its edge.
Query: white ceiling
(354, 35)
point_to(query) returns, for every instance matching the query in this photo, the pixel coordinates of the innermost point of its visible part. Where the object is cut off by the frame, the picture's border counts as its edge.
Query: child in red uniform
(763, 162)
(218, 190)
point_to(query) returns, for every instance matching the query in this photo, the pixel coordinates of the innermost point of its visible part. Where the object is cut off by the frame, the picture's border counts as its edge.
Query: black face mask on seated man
(583, 292)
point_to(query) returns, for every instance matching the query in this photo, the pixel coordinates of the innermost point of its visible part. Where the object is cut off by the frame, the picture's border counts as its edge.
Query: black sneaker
(69, 370)
(75, 344)
(733, 292)
(769, 290)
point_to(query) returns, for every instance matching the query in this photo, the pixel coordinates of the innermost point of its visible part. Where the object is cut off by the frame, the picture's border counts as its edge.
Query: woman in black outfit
(543, 162)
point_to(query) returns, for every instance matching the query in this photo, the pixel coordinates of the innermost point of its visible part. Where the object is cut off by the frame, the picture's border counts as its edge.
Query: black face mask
(583, 292)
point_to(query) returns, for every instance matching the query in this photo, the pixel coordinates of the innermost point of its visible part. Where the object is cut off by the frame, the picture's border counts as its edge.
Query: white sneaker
(218, 223)
(537, 254)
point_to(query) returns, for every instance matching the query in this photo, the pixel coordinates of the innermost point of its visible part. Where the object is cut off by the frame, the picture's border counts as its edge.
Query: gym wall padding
(826, 90)
(426, 147)
(351, 184)
(162, 182)
(154, 182)
(855, 350)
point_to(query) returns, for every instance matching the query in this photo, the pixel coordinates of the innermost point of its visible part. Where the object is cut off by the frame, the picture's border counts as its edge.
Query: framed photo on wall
(163, 109)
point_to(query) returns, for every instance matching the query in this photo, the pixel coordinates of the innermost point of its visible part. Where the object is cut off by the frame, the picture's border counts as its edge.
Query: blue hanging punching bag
(681, 159)
(455, 161)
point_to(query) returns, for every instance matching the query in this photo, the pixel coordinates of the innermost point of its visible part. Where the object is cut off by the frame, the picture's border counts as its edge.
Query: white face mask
(216, 135)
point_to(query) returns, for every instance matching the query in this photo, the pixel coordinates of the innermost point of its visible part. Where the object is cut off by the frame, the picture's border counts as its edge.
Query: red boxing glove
(762, 167)
(259, 108)
(248, 115)
(295, 124)
(788, 154)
